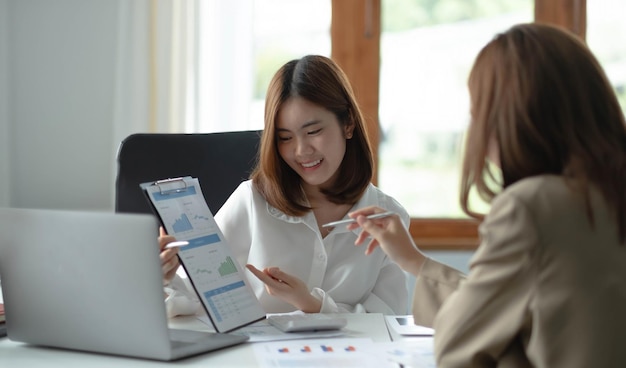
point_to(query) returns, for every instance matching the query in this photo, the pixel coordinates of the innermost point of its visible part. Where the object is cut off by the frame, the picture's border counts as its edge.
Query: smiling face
(311, 141)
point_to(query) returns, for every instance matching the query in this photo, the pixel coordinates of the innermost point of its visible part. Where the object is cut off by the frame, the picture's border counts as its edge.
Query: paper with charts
(208, 260)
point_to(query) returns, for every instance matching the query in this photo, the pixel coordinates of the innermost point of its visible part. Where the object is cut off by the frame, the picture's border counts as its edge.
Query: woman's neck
(326, 211)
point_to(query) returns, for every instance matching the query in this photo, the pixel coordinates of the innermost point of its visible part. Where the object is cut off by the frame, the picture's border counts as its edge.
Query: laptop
(91, 281)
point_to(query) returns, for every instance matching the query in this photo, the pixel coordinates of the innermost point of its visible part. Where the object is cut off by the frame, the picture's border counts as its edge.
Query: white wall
(4, 105)
(57, 125)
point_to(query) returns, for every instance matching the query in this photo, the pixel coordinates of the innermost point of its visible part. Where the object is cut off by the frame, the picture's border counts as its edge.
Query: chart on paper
(229, 301)
(210, 267)
(182, 214)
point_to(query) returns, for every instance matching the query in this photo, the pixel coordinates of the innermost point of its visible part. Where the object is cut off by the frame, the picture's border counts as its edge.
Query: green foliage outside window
(401, 15)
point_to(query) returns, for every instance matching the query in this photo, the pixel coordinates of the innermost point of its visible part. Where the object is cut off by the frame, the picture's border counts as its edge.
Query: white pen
(350, 221)
(175, 244)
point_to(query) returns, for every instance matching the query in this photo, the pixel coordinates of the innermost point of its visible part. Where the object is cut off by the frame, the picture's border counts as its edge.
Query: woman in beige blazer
(547, 285)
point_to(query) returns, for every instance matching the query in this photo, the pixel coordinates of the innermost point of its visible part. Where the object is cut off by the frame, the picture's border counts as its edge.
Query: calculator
(306, 322)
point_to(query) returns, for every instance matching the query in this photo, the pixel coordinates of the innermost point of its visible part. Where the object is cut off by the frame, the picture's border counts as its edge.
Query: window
(350, 44)
(268, 33)
(606, 37)
(241, 45)
(427, 51)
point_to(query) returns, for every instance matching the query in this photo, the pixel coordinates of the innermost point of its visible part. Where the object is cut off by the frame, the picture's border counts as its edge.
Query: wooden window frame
(355, 39)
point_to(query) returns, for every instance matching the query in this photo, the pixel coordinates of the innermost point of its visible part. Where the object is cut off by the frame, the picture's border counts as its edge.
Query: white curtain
(174, 30)
(131, 95)
(185, 66)
(225, 73)
(156, 66)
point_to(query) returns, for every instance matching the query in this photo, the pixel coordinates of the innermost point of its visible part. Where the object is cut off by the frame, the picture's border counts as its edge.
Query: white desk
(17, 355)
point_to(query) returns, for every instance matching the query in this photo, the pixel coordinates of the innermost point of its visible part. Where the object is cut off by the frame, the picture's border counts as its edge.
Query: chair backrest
(221, 161)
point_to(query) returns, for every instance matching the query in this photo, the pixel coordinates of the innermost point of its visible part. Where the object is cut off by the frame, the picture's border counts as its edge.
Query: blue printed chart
(183, 214)
(182, 224)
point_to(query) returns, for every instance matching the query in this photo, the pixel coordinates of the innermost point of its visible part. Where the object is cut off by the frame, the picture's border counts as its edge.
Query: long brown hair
(544, 97)
(320, 81)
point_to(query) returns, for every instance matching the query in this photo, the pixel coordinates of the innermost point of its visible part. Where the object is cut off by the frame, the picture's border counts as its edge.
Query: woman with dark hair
(315, 165)
(546, 286)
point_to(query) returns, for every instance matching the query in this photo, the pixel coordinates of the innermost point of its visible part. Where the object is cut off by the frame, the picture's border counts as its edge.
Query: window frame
(355, 46)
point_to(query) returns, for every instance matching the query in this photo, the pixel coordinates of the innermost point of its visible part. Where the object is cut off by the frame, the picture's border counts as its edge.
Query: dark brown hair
(320, 81)
(544, 97)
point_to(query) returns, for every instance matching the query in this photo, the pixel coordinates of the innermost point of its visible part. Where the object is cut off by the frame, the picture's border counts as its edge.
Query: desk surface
(15, 354)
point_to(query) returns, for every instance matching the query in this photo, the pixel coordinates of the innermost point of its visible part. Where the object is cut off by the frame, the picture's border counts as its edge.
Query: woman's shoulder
(244, 193)
(545, 196)
(244, 189)
(245, 199)
(541, 189)
(539, 182)
(374, 196)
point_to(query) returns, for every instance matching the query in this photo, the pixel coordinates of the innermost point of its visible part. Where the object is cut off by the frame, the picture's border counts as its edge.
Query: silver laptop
(90, 281)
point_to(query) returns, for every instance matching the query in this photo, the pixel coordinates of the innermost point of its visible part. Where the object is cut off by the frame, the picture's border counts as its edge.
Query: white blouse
(336, 271)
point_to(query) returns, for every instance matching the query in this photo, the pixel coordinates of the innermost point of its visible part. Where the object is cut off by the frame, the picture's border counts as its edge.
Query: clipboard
(215, 275)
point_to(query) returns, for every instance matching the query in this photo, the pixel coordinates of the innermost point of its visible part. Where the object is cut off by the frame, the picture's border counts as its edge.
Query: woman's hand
(288, 288)
(169, 259)
(390, 235)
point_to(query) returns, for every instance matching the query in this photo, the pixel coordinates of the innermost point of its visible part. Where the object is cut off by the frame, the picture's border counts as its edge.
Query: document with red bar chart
(214, 273)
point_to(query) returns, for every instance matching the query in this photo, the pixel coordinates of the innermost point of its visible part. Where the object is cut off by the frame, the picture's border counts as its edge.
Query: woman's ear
(349, 130)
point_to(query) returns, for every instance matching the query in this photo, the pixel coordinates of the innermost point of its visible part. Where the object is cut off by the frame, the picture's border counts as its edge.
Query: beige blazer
(545, 289)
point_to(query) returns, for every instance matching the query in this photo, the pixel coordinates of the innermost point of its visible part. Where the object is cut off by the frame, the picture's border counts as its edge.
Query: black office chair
(221, 161)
